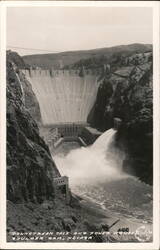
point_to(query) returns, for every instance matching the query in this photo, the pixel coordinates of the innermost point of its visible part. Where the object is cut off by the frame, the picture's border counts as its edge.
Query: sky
(57, 29)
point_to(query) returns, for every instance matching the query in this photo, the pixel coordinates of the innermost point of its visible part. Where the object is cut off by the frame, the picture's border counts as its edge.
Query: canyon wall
(126, 93)
(34, 202)
(30, 168)
(64, 96)
(95, 90)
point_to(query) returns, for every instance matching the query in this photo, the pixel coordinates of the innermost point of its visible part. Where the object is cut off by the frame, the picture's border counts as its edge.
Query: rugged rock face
(35, 203)
(30, 168)
(30, 100)
(126, 92)
(17, 60)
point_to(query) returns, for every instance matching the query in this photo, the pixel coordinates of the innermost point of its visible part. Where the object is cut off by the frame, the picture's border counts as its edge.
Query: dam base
(57, 134)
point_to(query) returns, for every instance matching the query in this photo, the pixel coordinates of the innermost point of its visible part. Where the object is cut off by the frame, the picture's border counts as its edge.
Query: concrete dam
(64, 96)
(90, 159)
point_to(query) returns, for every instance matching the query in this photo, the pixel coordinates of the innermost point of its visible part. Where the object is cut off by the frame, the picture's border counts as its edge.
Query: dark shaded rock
(30, 168)
(74, 219)
(31, 102)
(68, 224)
(127, 94)
(105, 227)
(29, 98)
(16, 59)
(104, 95)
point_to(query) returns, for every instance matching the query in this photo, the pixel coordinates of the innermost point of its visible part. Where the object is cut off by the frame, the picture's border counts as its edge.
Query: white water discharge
(93, 164)
(95, 173)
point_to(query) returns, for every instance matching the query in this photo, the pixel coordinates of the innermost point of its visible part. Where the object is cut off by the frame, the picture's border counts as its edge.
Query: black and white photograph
(80, 160)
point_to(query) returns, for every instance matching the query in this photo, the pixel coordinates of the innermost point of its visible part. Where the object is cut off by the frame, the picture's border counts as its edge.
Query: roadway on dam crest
(63, 96)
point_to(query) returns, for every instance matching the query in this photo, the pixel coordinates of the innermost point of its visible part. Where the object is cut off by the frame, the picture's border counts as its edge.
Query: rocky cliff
(30, 168)
(126, 93)
(34, 203)
(30, 100)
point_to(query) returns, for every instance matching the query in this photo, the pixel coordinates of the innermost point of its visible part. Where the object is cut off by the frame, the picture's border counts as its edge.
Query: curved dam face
(64, 96)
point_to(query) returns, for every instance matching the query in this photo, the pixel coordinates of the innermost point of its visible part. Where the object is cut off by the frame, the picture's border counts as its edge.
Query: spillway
(96, 175)
(92, 164)
(64, 96)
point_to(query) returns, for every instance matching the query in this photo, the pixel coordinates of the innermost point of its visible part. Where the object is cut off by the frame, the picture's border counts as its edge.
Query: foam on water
(93, 164)
(95, 173)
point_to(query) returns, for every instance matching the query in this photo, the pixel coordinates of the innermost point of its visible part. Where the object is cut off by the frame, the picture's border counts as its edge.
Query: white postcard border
(156, 101)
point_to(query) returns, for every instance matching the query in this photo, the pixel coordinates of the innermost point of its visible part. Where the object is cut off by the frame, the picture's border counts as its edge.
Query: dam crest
(64, 96)
(61, 72)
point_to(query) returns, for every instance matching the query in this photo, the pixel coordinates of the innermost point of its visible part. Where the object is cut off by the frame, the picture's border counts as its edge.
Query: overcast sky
(76, 28)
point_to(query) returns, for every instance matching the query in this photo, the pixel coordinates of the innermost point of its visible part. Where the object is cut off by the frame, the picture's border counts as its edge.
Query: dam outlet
(65, 98)
(86, 156)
